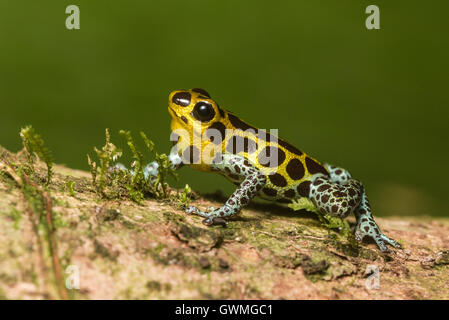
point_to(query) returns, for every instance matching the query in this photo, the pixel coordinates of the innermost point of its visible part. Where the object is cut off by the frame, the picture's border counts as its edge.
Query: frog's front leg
(253, 181)
(341, 195)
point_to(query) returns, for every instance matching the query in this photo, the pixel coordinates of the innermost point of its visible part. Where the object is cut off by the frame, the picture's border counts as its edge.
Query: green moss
(109, 215)
(313, 269)
(340, 232)
(70, 187)
(153, 285)
(139, 185)
(158, 249)
(60, 202)
(169, 256)
(290, 261)
(184, 198)
(6, 179)
(35, 199)
(16, 216)
(303, 204)
(8, 279)
(58, 221)
(102, 176)
(201, 239)
(104, 252)
(113, 183)
(127, 224)
(173, 217)
(34, 144)
(229, 232)
(367, 254)
(344, 244)
(434, 283)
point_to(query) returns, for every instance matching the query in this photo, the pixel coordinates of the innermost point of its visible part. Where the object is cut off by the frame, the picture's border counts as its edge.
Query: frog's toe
(211, 218)
(214, 221)
(360, 233)
(208, 221)
(381, 244)
(375, 233)
(195, 210)
(192, 210)
(391, 242)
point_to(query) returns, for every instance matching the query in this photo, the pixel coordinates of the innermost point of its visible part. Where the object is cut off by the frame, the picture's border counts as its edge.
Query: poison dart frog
(209, 138)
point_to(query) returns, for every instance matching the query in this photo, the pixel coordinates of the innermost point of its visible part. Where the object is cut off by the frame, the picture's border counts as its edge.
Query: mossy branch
(138, 185)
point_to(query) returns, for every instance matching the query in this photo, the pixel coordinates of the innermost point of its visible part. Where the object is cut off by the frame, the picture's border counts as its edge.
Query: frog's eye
(181, 99)
(203, 111)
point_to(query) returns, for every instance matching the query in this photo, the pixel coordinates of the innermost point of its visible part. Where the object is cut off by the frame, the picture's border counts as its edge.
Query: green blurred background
(372, 101)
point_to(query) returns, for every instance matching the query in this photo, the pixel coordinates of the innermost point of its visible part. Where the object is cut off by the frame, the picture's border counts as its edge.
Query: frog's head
(194, 107)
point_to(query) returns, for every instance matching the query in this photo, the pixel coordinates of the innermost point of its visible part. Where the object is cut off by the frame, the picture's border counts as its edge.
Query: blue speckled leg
(341, 195)
(238, 169)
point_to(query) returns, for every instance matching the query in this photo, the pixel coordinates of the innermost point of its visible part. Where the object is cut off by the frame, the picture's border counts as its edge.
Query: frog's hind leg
(340, 194)
(236, 168)
(335, 198)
